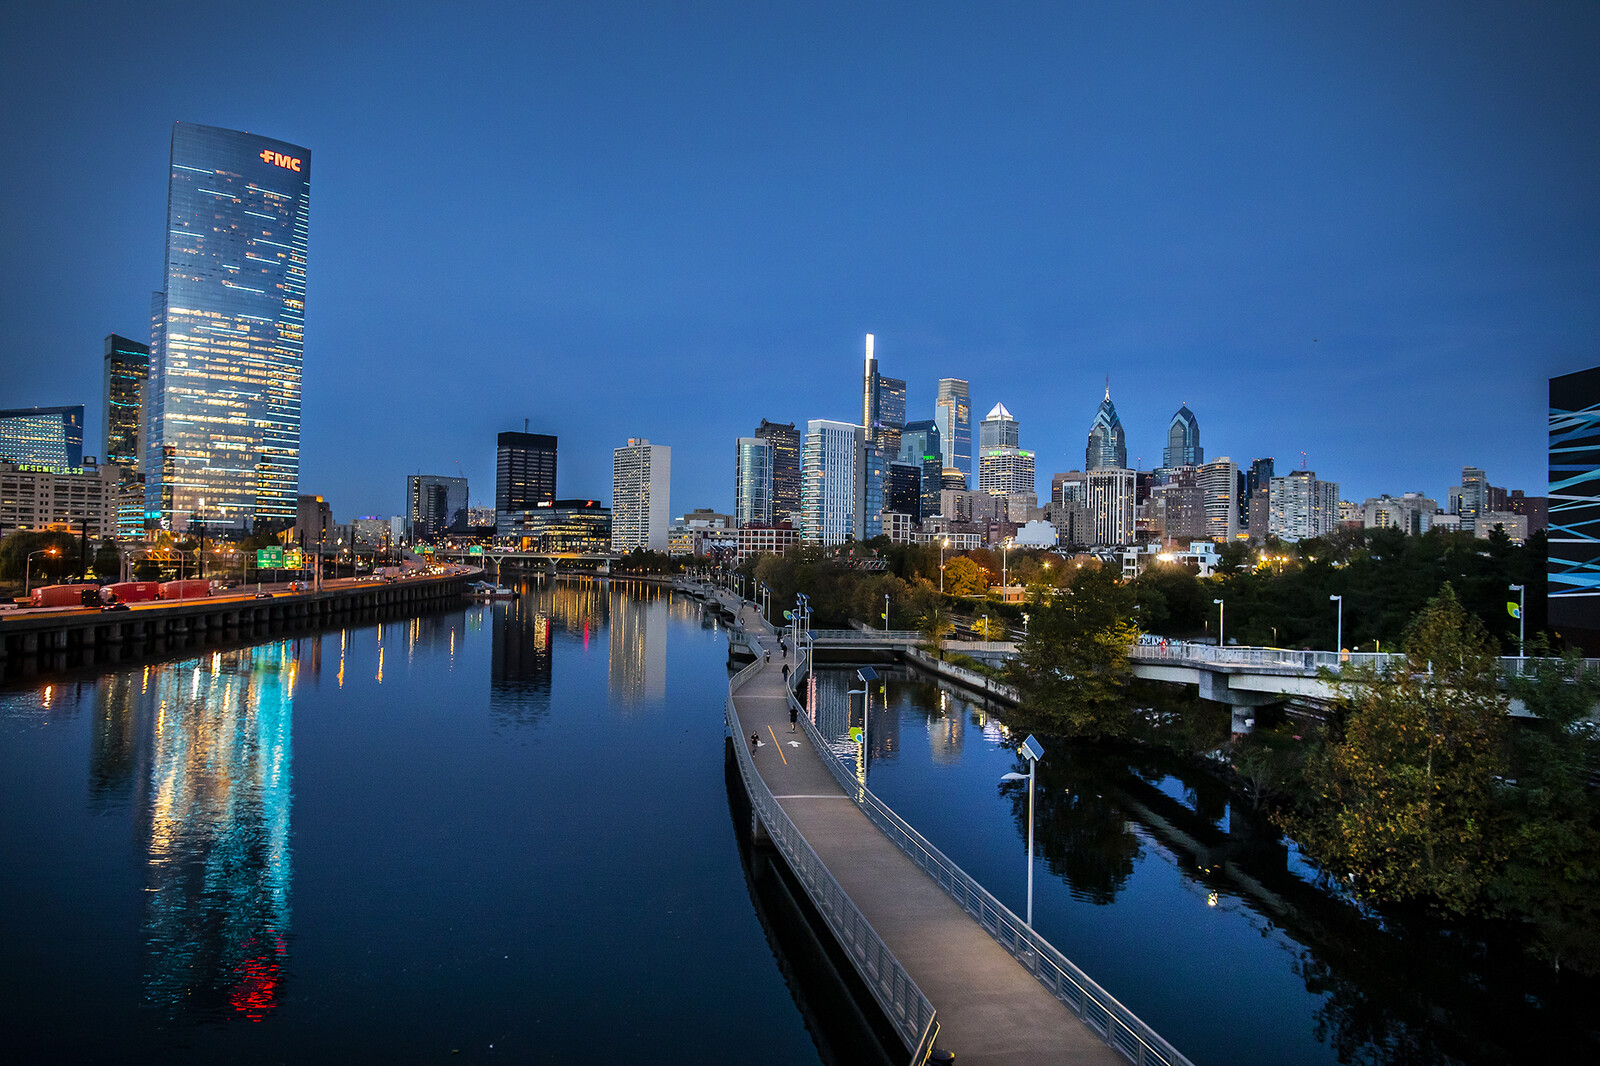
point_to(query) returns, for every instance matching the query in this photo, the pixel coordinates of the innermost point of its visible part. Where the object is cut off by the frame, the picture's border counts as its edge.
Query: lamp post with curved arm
(27, 567)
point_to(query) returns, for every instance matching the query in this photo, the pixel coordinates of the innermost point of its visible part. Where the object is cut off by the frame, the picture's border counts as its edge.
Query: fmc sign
(278, 159)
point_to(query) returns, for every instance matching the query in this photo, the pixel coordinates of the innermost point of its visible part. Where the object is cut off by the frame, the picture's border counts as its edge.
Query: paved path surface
(991, 1010)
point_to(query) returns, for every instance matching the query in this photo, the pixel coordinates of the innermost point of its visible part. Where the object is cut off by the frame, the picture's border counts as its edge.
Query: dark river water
(504, 833)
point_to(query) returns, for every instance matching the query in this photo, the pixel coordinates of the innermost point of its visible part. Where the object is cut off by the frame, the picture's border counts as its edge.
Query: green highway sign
(269, 558)
(475, 549)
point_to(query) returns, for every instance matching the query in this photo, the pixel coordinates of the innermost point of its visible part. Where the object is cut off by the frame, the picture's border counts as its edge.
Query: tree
(45, 569)
(936, 625)
(1403, 803)
(963, 577)
(1073, 664)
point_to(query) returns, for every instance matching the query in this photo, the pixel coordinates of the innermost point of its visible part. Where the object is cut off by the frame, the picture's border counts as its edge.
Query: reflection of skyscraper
(228, 338)
(218, 873)
(521, 662)
(638, 634)
(113, 754)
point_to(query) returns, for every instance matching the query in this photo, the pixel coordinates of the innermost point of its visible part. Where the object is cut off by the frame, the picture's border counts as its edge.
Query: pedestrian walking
(767, 656)
(794, 716)
(755, 741)
(785, 673)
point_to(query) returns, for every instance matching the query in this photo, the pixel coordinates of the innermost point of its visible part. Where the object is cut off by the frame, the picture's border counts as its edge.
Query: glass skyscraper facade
(784, 440)
(127, 366)
(524, 478)
(752, 483)
(1183, 441)
(42, 436)
(953, 412)
(228, 333)
(1108, 448)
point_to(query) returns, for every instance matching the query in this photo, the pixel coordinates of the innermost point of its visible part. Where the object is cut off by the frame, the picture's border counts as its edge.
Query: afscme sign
(278, 159)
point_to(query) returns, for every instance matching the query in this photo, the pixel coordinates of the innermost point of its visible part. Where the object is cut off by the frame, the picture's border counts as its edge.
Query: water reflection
(638, 653)
(1081, 834)
(521, 662)
(217, 870)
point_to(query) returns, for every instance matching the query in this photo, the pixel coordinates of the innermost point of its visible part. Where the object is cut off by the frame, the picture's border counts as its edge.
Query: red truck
(130, 592)
(191, 589)
(65, 596)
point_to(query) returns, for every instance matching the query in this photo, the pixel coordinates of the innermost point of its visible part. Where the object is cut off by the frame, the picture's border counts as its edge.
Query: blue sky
(1369, 232)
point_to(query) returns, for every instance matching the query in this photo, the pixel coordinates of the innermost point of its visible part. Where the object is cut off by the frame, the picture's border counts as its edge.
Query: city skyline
(1365, 235)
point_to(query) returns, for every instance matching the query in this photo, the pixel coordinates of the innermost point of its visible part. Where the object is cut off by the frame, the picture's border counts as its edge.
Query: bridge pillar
(758, 830)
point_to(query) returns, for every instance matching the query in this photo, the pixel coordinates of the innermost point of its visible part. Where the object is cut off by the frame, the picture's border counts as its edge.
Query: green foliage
(643, 561)
(1403, 801)
(936, 624)
(1073, 665)
(963, 577)
(45, 569)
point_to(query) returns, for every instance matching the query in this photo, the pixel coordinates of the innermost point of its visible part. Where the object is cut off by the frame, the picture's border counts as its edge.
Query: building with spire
(1108, 448)
(1183, 441)
(883, 406)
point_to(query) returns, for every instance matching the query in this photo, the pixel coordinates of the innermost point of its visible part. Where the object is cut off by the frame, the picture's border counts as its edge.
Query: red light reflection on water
(255, 992)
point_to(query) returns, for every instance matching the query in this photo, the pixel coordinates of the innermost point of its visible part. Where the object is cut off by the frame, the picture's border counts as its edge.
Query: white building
(828, 481)
(1412, 512)
(1111, 494)
(1301, 507)
(1218, 483)
(641, 496)
(1036, 535)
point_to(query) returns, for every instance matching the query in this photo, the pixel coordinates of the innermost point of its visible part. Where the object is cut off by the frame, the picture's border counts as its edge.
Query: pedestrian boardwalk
(990, 1008)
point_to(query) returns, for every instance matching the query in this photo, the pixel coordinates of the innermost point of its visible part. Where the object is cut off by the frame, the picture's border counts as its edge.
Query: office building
(1007, 472)
(1108, 448)
(883, 406)
(998, 430)
(127, 367)
(1301, 507)
(752, 482)
(1183, 441)
(953, 413)
(524, 477)
(903, 494)
(871, 492)
(435, 505)
(1256, 481)
(828, 481)
(313, 524)
(38, 497)
(1411, 513)
(42, 436)
(581, 527)
(1474, 497)
(1574, 505)
(919, 445)
(222, 433)
(1110, 503)
(784, 441)
(1219, 491)
(641, 496)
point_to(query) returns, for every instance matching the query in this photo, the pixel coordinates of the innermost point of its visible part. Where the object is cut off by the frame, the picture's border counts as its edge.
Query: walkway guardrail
(1310, 662)
(1116, 1024)
(902, 1002)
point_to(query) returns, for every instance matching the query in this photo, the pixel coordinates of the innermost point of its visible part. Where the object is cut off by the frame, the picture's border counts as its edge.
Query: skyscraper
(1183, 440)
(641, 496)
(524, 477)
(998, 430)
(883, 405)
(828, 481)
(1474, 497)
(1107, 448)
(1218, 485)
(953, 412)
(903, 492)
(784, 440)
(222, 438)
(1111, 493)
(919, 445)
(1301, 506)
(127, 366)
(435, 504)
(42, 436)
(752, 482)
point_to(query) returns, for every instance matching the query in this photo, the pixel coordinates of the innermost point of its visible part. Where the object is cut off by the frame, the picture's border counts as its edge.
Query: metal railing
(902, 1002)
(1116, 1024)
(1310, 662)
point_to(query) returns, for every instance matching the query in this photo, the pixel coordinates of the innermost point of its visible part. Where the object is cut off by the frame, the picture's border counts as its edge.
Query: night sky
(1369, 232)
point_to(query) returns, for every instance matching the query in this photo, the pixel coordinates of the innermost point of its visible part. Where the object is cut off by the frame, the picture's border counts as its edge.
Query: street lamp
(1033, 753)
(886, 612)
(867, 675)
(1221, 608)
(985, 627)
(1004, 547)
(27, 564)
(1522, 610)
(1338, 639)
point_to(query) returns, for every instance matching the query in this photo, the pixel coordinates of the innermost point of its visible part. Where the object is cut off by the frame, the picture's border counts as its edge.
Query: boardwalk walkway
(991, 1010)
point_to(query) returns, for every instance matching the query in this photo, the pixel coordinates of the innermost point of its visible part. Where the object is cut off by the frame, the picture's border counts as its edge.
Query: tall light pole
(1338, 639)
(886, 612)
(1221, 608)
(1522, 612)
(1033, 753)
(27, 567)
(1004, 548)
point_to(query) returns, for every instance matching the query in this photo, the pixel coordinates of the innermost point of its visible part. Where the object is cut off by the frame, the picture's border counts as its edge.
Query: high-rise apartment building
(127, 366)
(524, 477)
(871, 492)
(1110, 502)
(1574, 506)
(1183, 440)
(1108, 448)
(1301, 507)
(435, 505)
(1219, 491)
(42, 436)
(641, 496)
(953, 413)
(222, 435)
(1474, 497)
(784, 440)
(752, 482)
(828, 464)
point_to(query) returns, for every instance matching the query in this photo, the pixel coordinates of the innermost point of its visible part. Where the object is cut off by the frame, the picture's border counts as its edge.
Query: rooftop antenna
(1302, 460)
(524, 425)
